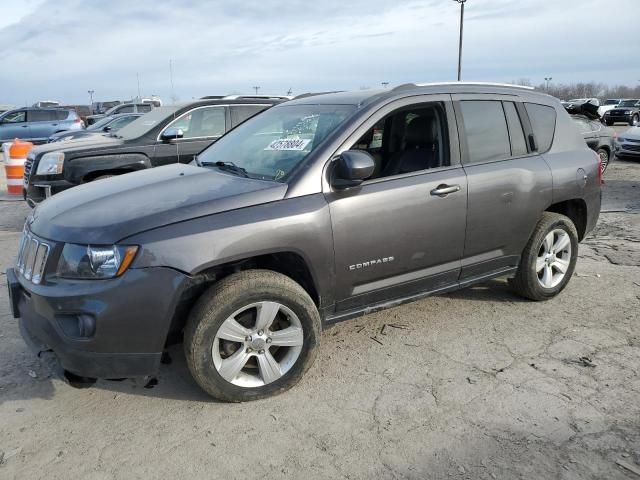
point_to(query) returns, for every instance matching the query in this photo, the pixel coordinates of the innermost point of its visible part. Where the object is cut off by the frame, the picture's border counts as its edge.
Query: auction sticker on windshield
(285, 144)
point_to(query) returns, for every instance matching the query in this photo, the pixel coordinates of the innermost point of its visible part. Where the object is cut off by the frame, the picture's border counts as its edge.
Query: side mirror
(171, 134)
(106, 129)
(351, 169)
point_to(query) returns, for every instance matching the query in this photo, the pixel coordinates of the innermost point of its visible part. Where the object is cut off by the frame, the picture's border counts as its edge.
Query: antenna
(173, 95)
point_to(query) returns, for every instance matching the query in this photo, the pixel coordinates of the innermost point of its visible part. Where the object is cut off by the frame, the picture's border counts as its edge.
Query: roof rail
(257, 97)
(313, 94)
(481, 84)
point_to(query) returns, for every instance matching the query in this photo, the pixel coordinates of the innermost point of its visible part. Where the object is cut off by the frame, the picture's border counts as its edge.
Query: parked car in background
(627, 111)
(299, 219)
(101, 107)
(122, 108)
(628, 144)
(46, 104)
(37, 124)
(581, 101)
(168, 134)
(106, 125)
(6, 107)
(608, 104)
(599, 138)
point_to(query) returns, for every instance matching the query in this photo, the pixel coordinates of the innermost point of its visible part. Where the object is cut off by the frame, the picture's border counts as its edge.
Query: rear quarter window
(543, 123)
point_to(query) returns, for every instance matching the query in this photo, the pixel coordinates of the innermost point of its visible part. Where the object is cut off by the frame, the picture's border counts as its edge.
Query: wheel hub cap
(554, 258)
(257, 344)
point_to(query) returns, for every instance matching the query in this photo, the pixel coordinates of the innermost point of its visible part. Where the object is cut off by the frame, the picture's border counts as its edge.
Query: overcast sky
(59, 49)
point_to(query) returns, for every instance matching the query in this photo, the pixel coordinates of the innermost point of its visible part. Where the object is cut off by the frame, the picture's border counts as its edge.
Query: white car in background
(608, 104)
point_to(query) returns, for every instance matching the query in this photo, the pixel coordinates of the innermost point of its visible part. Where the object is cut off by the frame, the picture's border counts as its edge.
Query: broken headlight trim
(91, 262)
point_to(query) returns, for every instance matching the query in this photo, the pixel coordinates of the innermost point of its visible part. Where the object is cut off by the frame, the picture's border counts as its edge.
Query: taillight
(77, 120)
(600, 177)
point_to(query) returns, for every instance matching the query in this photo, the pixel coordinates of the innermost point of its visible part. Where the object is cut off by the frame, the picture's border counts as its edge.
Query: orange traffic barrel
(14, 165)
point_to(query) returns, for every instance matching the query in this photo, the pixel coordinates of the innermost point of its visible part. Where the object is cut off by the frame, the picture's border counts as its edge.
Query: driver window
(15, 117)
(201, 122)
(407, 140)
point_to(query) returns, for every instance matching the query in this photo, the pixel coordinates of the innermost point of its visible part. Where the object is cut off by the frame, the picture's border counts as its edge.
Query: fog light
(77, 326)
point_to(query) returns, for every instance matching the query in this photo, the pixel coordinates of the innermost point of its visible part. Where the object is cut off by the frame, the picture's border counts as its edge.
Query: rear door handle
(444, 190)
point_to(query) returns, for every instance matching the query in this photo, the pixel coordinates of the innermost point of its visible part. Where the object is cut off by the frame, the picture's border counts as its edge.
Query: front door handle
(444, 190)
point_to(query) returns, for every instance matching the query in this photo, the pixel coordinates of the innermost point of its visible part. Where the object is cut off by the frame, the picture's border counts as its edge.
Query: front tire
(635, 120)
(549, 259)
(252, 335)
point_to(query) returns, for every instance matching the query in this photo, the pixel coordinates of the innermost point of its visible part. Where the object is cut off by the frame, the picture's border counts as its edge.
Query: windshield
(272, 144)
(146, 122)
(628, 103)
(611, 102)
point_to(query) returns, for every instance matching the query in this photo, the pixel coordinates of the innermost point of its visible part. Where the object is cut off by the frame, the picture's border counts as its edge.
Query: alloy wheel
(257, 344)
(554, 258)
(604, 160)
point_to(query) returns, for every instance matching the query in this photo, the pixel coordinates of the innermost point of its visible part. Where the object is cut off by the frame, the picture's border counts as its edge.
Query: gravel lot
(477, 384)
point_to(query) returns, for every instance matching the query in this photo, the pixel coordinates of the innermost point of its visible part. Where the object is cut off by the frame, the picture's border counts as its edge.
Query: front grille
(633, 148)
(28, 165)
(32, 257)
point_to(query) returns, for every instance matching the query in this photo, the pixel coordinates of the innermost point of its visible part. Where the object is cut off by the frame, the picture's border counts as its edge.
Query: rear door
(509, 185)
(395, 236)
(42, 123)
(240, 113)
(201, 126)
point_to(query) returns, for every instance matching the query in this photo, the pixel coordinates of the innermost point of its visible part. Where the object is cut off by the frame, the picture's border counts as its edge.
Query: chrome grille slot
(32, 257)
(28, 165)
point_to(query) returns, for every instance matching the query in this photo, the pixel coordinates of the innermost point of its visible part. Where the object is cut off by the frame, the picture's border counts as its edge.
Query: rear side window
(485, 130)
(516, 133)
(144, 108)
(125, 109)
(543, 123)
(41, 115)
(64, 114)
(239, 113)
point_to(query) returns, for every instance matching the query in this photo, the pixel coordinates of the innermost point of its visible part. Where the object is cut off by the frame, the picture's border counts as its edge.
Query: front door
(14, 125)
(400, 234)
(200, 126)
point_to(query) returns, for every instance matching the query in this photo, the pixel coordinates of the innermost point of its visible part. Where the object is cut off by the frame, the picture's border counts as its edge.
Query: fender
(78, 168)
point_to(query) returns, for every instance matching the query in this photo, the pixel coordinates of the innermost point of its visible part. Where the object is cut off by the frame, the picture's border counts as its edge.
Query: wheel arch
(576, 210)
(289, 263)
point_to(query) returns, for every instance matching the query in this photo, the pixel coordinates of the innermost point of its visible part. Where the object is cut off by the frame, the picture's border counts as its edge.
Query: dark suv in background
(168, 134)
(627, 111)
(37, 124)
(318, 210)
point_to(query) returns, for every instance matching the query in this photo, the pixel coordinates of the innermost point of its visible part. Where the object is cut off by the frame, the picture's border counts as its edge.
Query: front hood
(95, 142)
(633, 133)
(109, 210)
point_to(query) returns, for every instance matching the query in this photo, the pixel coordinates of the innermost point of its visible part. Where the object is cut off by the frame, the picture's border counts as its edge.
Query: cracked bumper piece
(100, 328)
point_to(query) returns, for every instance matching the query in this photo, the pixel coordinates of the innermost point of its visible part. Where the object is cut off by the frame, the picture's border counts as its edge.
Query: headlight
(94, 262)
(51, 163)
(628, 112)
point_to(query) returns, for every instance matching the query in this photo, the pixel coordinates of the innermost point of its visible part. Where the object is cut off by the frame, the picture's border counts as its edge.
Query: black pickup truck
(171, 134)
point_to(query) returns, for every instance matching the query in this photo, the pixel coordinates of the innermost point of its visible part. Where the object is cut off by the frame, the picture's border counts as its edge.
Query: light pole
(384, 84)
(461, 2)
(91, 92)
(547, 79)
(256, 89)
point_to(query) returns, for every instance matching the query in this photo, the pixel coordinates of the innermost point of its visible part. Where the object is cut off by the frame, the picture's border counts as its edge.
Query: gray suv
(37, 124)
(318, 210)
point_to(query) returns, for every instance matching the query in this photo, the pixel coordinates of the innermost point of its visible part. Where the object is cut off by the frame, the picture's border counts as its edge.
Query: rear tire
(553, 247)
(235, 353)
(609, 122)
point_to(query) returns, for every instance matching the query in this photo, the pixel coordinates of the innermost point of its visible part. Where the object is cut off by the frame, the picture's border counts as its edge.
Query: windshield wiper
(228, 167)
